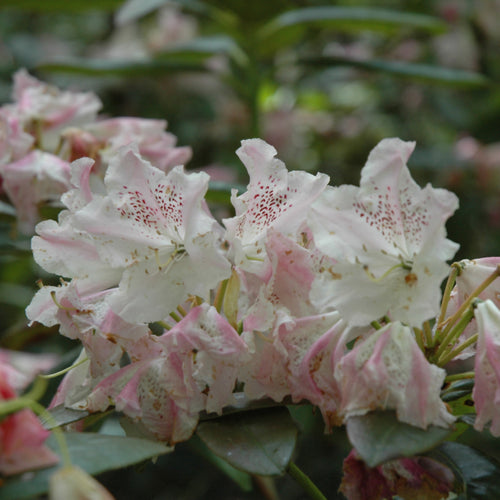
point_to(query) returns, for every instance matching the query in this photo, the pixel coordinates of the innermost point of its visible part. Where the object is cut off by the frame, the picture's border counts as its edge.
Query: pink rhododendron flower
(193, 367)
(409, 478)
(14, 141)
(36, 178)
(388, 238)
(387, 370)
(22, 436)
(486, 393)
(275, 198)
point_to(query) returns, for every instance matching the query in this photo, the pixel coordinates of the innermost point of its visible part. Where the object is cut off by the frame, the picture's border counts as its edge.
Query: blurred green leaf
(351, 17)
(379, 436)
(259, 442)
(478, 473)
(105, 67)
(15, 295)
(423, 72)
(95, 453)
(199, 49)
(62, 5)
(457, 390)
(6, 208)
(220, 192)
(132, 10)
(135, 9)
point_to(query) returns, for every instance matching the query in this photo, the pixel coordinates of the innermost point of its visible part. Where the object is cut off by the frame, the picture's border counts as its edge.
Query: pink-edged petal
(486, 393)
(387, 370)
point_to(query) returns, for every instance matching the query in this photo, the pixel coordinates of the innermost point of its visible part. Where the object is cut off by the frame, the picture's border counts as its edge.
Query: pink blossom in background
(22, 436)
(38, 178)
(409, 478)
(388, 238)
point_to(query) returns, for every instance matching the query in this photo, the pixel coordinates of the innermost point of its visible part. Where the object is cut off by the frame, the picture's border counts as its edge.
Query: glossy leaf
(258, 442)
(351, 17)
(105, 67)
(416, 72)
(478, 474)
(95, 453)
(380, 436)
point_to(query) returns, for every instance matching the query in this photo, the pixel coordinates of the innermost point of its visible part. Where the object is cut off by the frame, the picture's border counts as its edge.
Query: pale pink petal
(388, 371)
(486, 393)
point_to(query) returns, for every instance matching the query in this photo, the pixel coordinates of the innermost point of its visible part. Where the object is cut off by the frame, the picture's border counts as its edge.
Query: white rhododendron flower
(388, 237)
(275, 198)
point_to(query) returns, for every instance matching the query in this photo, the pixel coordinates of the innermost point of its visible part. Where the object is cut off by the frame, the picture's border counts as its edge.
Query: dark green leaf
(62, 5)
(478, 473)
(380, 436)
(351, 17)
(422, 72)
(95, 453)
(258, 442)
(104, 67)
(242, 479)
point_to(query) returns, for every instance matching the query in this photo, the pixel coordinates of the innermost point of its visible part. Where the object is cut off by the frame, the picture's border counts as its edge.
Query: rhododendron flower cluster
(45, 128)
(308, 293)
(328, 295)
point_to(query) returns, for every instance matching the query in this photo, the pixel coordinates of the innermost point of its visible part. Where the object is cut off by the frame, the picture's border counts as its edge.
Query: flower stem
(307, 485)
(459, 376)
(454, 333)
(455, 271)
(429, 340)
(452, 319)
(445, 359)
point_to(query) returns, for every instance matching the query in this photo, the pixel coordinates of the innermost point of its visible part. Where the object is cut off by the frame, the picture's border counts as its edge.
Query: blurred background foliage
(321, 81)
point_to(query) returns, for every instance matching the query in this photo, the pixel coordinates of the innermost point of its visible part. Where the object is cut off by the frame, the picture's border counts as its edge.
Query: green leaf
(350, 17)
(380, 436)
(242, 479)
(200, 48)
(421, 72)
(258, 442)
(105, 67)
(6, 208)
(135, 9)
(95, 453)
(62, 5)
(60, 415)
(478, 473)
(457, 390)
